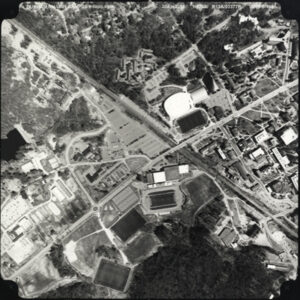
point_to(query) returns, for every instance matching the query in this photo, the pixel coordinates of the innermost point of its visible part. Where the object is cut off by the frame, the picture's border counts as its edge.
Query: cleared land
(134, 164)
(86, 252)
(90, 226)
(202, 189)
(128, 225)
(39, 276)
(112, 275)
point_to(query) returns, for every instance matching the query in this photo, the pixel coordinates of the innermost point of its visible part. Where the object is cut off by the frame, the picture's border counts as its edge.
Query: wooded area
(192, 267)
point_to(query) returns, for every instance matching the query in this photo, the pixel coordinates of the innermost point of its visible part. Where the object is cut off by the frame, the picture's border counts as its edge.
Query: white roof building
(289, 136)
(244, 18)
(256, 153)
(262, 136)
(183, 169)
(159, 177)
(294, 179)
(178, 105)
(283, 160)
(27, 167)
(199, 95)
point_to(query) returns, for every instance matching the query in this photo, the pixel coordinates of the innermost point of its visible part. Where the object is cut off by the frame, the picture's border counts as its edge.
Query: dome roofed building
(178, 105)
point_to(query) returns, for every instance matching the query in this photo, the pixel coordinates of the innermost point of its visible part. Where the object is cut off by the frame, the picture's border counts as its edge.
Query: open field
(135, 163)
(39, 276)
(257, 116)
(264, 87)
(90, 226)
(86, 252)
(141, 247)
(112, 275)
(202, 189)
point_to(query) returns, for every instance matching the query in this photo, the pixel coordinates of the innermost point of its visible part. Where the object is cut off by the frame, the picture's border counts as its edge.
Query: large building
(169, 174)
(262, 137)
(199, 95)
(283, 160)
(288, 136)
(183, 103)
(178, 105)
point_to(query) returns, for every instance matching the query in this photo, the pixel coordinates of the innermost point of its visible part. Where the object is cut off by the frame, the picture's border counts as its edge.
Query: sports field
(164, 199)
(128, 225)
(141, 247)
(192, 121)
(112, 275)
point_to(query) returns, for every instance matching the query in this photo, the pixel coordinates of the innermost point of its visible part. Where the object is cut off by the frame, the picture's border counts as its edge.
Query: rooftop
(178, 105)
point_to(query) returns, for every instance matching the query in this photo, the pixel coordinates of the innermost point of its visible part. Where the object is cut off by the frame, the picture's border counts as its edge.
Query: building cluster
(135, 70)
(259, 59)
(167, 176)
(113, 175)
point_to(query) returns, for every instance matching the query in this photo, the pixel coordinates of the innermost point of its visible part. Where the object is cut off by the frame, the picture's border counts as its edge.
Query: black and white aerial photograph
(149, 150)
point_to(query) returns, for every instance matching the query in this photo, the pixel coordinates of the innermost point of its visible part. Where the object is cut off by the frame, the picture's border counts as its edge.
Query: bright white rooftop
(178, 105)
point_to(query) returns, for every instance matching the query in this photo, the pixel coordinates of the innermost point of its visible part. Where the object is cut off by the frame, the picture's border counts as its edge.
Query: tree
(57, 257)
(190, 20)
(174, 75)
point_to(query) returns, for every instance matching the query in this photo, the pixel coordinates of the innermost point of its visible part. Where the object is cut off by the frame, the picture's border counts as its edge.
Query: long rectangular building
(169, 173)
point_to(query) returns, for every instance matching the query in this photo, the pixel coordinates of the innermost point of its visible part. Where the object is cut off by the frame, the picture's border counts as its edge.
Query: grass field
(141, 247)
(264, 86)
(91, 225)
(257, 116)
(202, 189)
(112, 275)
(134, 164)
